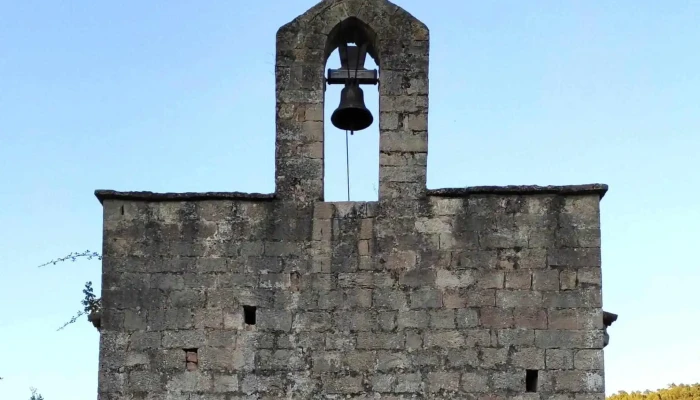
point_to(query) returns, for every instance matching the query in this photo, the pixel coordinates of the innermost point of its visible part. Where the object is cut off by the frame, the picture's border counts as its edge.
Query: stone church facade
(470, 293)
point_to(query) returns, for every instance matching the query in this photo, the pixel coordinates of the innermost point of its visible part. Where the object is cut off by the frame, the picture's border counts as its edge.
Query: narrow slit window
(249, 315)
(531, 380)
(294, 281)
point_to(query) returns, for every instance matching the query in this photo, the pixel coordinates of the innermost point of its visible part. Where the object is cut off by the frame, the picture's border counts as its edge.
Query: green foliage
(91, 303)
(673, 392)
(35, 395)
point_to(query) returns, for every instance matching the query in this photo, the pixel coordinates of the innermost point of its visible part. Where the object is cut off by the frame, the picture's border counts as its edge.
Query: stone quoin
(469, 293)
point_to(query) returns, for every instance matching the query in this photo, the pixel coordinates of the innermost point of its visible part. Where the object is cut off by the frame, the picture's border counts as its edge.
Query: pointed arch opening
(351, 159)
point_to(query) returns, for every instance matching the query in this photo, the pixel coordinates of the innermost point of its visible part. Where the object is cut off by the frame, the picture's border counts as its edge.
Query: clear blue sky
(179, 96)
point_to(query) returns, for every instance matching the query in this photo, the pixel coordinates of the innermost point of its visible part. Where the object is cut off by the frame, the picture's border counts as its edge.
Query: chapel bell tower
(399, 44)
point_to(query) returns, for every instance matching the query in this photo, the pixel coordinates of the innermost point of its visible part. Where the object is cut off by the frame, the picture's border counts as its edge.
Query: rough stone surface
(431, 294)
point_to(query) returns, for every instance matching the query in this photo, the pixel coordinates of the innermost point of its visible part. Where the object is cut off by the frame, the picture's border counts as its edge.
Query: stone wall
(443, 297)
(470, 293)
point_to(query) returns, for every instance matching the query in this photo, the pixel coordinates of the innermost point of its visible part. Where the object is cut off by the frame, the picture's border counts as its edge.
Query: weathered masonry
(485, 292)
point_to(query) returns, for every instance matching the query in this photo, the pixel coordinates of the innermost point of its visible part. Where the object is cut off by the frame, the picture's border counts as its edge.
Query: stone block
(503, 238)
(553, 339)
(343, 385)
(144, 340)
(578, 381)
(583, 298)
(475, 382)
(443, 339)
(383, 383)
(442, 319)
(477, 337)
(360, 361)
(467, 318)
(518, 298)
(574, 258)
(589, 277)
(331, 300)
(454, 298)
(461, 358)
(401, 141)
(134, 320)
(389, 299)
(273, 320)
(310, 340)
(481, 298)
(387, 320)
(589, 359)
(358, 298)
(183, 339)
(209, 318)
(545, 280)
(391, 360)
(243, 358)
(226, 383)
(495, 317)
(339, 341)
(409, 383)
(413, 319)
(427, 358)
(321, 230)
(145, 381)
(187, 298)
(417, 278)
(493, 358)
(508, 381)
(355, 321)
(401, 260)
(215, 359)
(221, 338)
(567, 280)
(414, 341)
(318, 321)
(425, 298)
(454, 279)
(112, 382)
(489, 279)
(575, 318)
(519, 280)
(443, 381)
(167, 282)
(387, 341)
(134, 359)
(190, 381)
(559, 358)
(516, 337)
(528, 358)
(389, 120)
(272, 386)
(530, 317)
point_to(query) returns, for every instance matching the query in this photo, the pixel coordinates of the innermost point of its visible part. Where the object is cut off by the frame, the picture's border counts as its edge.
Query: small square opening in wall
(531, 380)
(249, 315)
(191, 359)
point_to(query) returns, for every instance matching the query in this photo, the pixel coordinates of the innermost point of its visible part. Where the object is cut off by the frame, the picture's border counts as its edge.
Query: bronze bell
(352, 114)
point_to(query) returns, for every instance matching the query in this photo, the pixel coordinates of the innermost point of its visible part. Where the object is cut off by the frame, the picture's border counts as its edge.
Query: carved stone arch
(400, 47)
(352, 30)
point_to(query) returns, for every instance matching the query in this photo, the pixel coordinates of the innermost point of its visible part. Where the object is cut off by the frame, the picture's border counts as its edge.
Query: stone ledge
(103, 195)
(595, 188)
